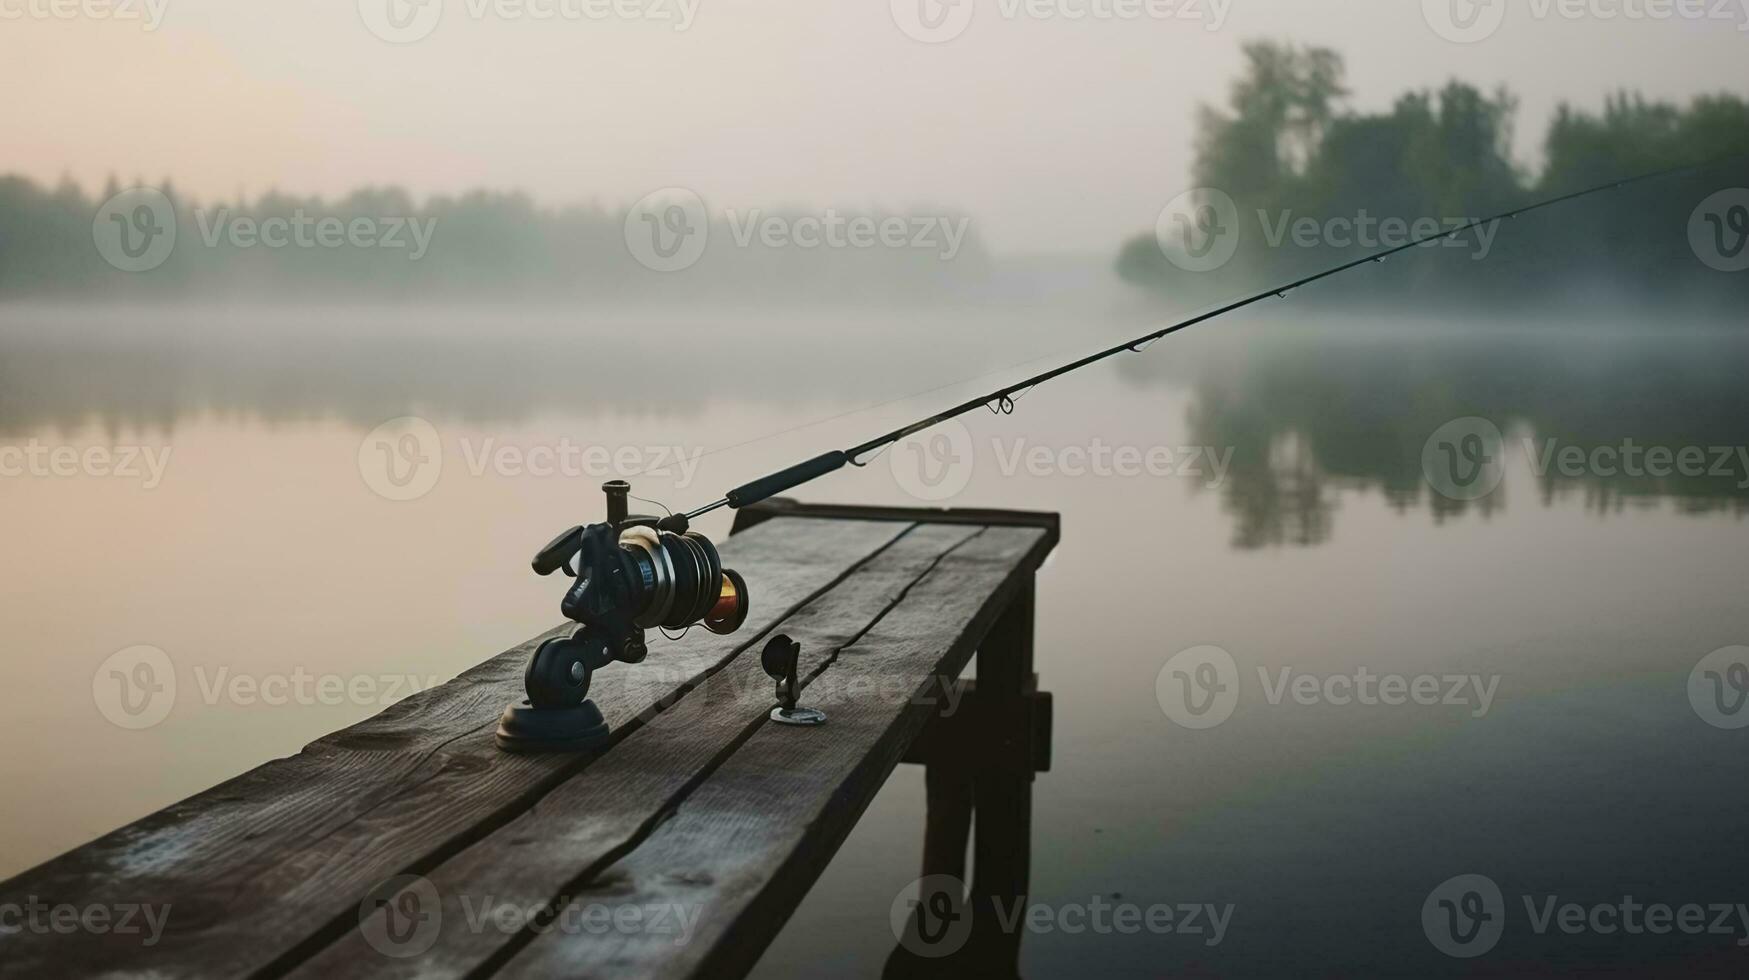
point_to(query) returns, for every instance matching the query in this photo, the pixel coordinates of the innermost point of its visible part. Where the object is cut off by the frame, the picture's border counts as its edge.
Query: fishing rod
(1001, 400)
(633, 573)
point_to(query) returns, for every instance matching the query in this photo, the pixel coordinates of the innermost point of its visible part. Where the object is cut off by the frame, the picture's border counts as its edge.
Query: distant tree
(1278, 113)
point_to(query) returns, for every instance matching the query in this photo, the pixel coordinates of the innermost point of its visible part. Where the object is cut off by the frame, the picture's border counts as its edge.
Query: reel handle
(558, 552)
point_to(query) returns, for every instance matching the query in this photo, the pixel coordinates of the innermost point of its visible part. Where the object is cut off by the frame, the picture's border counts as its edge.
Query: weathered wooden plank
(260, 865)
(744, 847)
(602, 812)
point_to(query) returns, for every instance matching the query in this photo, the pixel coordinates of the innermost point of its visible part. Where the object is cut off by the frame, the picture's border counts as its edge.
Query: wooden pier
(407, 845)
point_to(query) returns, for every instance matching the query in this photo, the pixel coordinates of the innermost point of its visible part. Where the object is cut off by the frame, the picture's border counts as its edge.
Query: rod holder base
(798, 716)
(523, 728)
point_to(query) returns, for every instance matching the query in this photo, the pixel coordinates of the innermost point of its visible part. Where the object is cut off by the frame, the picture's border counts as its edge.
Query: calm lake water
(243, 525)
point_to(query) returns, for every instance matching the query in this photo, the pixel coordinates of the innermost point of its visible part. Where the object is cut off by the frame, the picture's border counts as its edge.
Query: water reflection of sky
(1307, 413)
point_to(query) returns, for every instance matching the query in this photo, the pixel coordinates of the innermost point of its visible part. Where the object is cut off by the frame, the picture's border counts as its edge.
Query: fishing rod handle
(782, 480)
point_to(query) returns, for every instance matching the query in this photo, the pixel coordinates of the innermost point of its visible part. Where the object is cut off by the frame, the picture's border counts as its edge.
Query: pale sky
(1055, 133)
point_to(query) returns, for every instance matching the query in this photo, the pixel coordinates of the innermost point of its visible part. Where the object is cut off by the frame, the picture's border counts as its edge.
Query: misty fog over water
(315, 324)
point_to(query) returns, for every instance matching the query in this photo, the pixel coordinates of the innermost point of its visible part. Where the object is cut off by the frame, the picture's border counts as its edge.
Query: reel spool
(631, 574)
(683, 582)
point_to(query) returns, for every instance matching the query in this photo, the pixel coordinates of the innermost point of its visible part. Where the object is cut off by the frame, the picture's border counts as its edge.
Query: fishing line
(1002, 398)
(654, 503)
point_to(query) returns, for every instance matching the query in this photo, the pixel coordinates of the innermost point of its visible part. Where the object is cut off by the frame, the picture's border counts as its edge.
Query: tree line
(1308, 176)
(380, 243)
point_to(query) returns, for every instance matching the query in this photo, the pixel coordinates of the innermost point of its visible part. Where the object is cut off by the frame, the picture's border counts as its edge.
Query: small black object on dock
(781, 659)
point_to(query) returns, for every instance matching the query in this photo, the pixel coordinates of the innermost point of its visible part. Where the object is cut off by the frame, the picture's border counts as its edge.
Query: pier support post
(1002, 789)
(980, 765)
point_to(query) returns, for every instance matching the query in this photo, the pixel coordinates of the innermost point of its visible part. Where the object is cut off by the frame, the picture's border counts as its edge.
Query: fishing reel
(629, 574)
